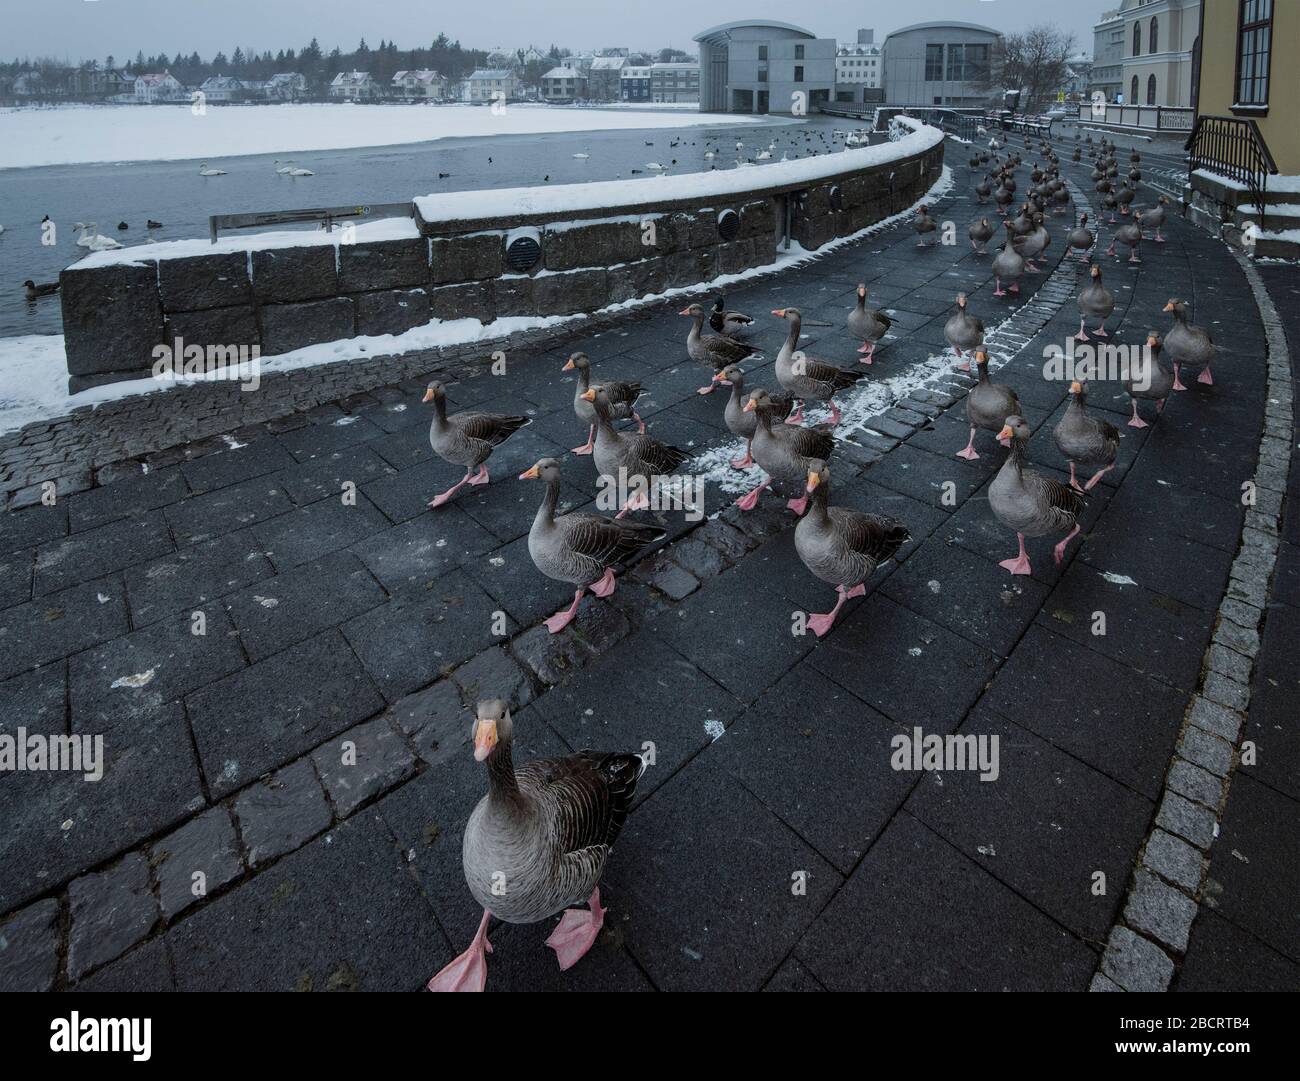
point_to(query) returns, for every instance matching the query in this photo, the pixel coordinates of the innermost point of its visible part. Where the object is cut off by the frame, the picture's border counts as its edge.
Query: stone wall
(284, 298)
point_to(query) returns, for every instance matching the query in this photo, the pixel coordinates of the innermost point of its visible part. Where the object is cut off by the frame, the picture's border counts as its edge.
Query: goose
(205, 171)
(1081, 238)
(840, 546)
(805, 377)
(578, 547)
(983, 190)
(466, 439)
(963, 331)
(1155, 217)
(1188, 344)
(1151, 380)
(633, 461)
(741, 423)
(1028, 502)
(715, 351)
(44, 289)
(546, 829)
(727, 322)
(868, 324)
(980, 233)
(1009, 265)
(987, 405)
(784, 454)
(924, 225)
(1095, 300)
(1084, 439)
(1033, 244)
(622, 398)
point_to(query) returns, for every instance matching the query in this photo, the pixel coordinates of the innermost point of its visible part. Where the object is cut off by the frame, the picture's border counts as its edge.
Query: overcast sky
(77, 29)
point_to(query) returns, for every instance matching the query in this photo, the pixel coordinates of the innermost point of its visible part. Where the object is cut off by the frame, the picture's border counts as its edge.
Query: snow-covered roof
(564, 73)
(608, 63)
(492, 73)
(351, 78)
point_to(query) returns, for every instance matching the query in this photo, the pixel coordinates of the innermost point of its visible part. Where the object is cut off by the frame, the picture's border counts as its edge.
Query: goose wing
(660, 457)
(874, 535)
(808, 442)
(606, 540)
(1061, 503)
(586, 797)
(492, 428)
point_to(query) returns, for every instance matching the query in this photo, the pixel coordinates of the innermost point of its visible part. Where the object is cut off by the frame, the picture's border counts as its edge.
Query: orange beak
(485, 738)
(814, 479)
(1168, 307)
(684, 311)
(530, 473)
(779, 313)
(1076, 388)
(568, 366)
(749, 406)
(1006, 432)
(428, 395)
(588, 395)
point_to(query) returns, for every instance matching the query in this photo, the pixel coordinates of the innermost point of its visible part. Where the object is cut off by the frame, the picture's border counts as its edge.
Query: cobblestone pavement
(772, 845)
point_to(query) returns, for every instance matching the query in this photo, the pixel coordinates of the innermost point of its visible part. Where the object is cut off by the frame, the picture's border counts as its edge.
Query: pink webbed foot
(1158, 238)
(640, 501)
(1100, 332)
(576, 932)
(798, 505)
(1074, 481)
(1178, 383)
(1015, 288)
(1018, 565)
(796, 417)
(747, 460)
(968, 451)
(836, 416)
(481, 477)
(999, 291)
(1205, 377)
(468, 972)
(706, 390)
(560, 620)
(749, 500)
(821, 622)
(1058, 553)
(604, 585)
(1136, 421)
(589, 445)
(1092, 481)
(442, 497)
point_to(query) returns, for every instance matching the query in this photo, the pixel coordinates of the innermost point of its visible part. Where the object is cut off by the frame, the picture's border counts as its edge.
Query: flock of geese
(546, 828)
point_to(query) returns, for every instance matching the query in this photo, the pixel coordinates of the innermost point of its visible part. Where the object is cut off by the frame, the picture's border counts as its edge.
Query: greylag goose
(980, 233)
(740, 423)
(987, 405)
(712, 350)
(545, 830)
(1155, 217)
(44, 289)
(1130, 235)
(840, 546)
(622, 399)
(1150, 380)
(1081, 238)
(868, 324)
(1029, 502)
(579, 548)
(635, 461)
(1007, 266)
(963, 331)
(924, 226)
(1086, 440)
(1188, 344)
(466, 439)
(728, 322)
(805, 377)
(1097, 301)
(1032, 245)
(783, 453)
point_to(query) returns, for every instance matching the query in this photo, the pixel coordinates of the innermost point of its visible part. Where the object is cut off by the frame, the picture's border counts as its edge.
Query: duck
(1081, 238)
(980, 233)
(633, 461)
(122, 227)
(732, 324)
(868, 324)
(714, 350)
(987, 405)
(1188, 344)
(1008, 265)
(1084, 439)
(963, 331)
(1151, 380)
(622, 399)
(804, 377)
(740, 423)
(547, 829)
(1154, 218)
(1130, 235)
(924, 225)
(1028, 502)
(466, 439)
(784, 453)
(1097, 301)
(204, 170)
(842, 547)
(151, 224)
(579, 547)
(44, 289)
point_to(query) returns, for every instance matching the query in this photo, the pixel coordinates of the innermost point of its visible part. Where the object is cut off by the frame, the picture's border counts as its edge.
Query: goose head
(1079, 391)
(492, 726)
(1178, 308)
(547, 469)
(862, 291)
(1016, 428)
(819, 473)
(759, 401)
(434, 391)
(695, 311)
(791, 315)
(577, 361)
(729, 375)
(598, 397)
(981, 358)
(961, 301)
(1096, 275)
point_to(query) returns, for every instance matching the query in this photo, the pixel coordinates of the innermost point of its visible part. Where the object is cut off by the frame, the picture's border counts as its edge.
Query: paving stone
(1222, 957)
(194, 576)
(317, 530)
(227, 510)
(235, 465)
(1187, 819)
(792, 976)
(1191, 781)
(273, 711)
(147, 968)
(325, 476)
(1160, 910)
(321, 440)
(1174, 859)
(870, 934)
(126, 498)
(1207, 751)
(550, 657)
(29, 948)
(1225, 692)
(673, 582)
(1222, 722)
(1135, 963)
(206, 845)
(54, 626)
(699, 559)
(436, 720)
(361, 763)
(16, 577)
(494, 674)
(1103, 983)
(111, 911)
(1230, 664)
(97, 552)
(280, 813)
(411, 557)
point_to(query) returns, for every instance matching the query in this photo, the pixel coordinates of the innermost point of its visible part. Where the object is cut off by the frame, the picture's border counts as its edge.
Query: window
(762, 52)
(1137, 39)
(955, 63)
(762, 75)
(798, 52)
(1151, 89)
(1153, 39)
(933, 63)
(1133, 91)
(1254, 53)
(798, 73)
(977, 63)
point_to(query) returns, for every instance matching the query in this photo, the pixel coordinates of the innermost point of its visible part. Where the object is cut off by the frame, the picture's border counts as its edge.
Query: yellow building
(1245, 147)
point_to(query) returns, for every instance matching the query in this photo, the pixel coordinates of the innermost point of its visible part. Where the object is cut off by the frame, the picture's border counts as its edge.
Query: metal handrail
(1233, 147)
(326, 215)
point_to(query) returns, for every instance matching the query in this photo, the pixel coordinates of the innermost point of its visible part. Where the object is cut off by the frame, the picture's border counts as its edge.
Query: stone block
(204, 281)
(287, 275)
(737, 256)
(469, 300)
(205, 846)
(215, 326)
(112, 317)
(383, 264)
(467, 258)
(758, 219)
(692, 267)
(633, 280)
(392, 311)
(111, 911)
(673, 232)
(513, 295)
(292, 326)
(813, 232)
(597, 244)
(571, 291)
(281, 813)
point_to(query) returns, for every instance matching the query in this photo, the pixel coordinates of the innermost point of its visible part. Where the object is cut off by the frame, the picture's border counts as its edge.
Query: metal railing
(325, 215)
(1147, 117)
(1231, 147)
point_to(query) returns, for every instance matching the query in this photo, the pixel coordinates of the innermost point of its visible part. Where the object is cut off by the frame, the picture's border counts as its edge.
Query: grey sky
(78, 29)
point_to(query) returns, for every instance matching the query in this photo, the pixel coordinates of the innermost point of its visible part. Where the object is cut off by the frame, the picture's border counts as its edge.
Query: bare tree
(1033, 63)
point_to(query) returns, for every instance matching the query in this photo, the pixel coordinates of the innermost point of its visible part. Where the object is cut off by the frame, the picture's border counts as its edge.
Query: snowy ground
(98, 133)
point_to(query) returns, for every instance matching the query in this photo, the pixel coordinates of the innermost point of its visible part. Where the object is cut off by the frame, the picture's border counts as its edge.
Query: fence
(1232, 147)
(1147, 117)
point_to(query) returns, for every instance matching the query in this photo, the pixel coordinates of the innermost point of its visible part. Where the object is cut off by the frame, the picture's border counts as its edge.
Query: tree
(1033, 63)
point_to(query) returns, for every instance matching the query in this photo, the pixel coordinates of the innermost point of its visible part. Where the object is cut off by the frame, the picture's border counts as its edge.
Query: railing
(1148, 117)
(1234, 148)
(326, 215)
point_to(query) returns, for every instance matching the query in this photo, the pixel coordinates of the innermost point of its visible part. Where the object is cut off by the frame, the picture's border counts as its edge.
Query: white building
(492, 84)
(764, 66)
(285, 86)
(563, 85)
(354, 86)
(1143, 52)
(158, 87)
(859, 63)
(940, 63)
(423, 85)
(676, 82)
(603, 77)
(222, 88)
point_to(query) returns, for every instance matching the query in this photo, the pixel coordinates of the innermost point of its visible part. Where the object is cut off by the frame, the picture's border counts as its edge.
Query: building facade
(157, 87)
(561, 85)
(675, 82)
(285, 86)
(634, 84)
(1155, 40)
(940, 63)
(1107, 75)
(421, 85)
(603, 78)
(223, 89)
(488, 84)
(764, 67)
(858, 63)
(354, 86)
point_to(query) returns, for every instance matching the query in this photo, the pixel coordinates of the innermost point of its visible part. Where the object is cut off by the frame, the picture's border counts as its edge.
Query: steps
(1224, 206)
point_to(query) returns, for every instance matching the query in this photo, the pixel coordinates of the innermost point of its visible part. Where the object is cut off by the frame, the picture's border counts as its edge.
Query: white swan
(83, 241)
(763, 155)
(582, 157)
(655, 167)
(283, 169)
(205, 171)
(299, 171)
(709, 155)
(97, 242)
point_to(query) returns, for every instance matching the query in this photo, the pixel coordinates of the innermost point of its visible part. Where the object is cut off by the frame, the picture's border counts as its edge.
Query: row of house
(614, 79)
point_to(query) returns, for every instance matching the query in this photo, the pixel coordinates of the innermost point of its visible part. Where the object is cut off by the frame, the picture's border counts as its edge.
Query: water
(173, 193)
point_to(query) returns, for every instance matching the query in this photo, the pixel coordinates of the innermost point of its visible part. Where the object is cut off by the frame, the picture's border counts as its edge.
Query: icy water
(173, 193)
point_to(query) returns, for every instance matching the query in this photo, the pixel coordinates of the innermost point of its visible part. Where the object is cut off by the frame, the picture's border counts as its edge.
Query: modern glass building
(764, 67)
(940, 63)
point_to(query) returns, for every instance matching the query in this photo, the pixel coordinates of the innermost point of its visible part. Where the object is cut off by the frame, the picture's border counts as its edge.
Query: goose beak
(428, 396)
(1006, 432)
(530, 473)
(1076, 388)
(814, 479)
(485, 738)
(779, 312)
(568, 366)
(1168, 307)
(749, 406)
(685, 311)
(588, 395)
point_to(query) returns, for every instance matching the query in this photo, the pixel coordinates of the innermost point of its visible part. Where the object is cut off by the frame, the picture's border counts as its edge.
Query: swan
(94, 241)
(582, 157)
(283, 169)
(205, 171)
(655, 167)
(299, 171)
(709, 155)
(83, 241)
(763, 155)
